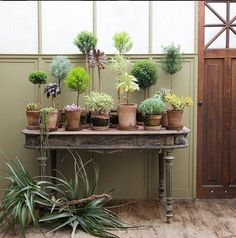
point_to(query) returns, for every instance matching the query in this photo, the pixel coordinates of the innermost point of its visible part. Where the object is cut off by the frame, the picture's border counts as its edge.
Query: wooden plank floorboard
(192, 219)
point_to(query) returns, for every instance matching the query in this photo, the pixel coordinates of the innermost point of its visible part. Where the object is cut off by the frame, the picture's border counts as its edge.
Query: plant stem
(127, 97)
(86, 62)
(39, 93)
(53, 103)
(99, 79)
(78, 99)
(171, 83)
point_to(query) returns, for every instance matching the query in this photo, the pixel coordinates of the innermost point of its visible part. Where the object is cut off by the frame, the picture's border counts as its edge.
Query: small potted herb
(152, 108)
(72, 117)
(38, 78)
(86, 42)
(175, 113)
(100, 104)
(33, 115)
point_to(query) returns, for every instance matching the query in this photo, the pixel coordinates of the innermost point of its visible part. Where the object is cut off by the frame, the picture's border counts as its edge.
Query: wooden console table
(164, 141)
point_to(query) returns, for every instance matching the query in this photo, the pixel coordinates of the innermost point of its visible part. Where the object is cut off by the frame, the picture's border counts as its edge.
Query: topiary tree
(122, 42)
(38, 78)
(146, 73)
(172, 61)
(86, 42)
(78, 80)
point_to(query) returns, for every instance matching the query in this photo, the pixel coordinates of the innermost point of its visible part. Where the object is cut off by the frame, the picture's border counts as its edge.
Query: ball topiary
(152, 106)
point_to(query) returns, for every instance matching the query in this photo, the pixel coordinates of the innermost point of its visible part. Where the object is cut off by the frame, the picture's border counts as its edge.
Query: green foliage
(146, 73)
(21, 198)
(99, 102)
(85, 41)
(122, 42)
(178, 103)
(162, 93)
(33, 106)
(78, 80)
(119, 64)
(60, 67)
(172, 61)
(152, 106)
(38, 77)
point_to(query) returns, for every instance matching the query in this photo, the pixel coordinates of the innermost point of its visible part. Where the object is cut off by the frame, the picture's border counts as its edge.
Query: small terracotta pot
(61, 118)
(52, 124)
(175, 120)
(100, 122)
(33, 119)
(73, 120)
(152, 122)
(127, 116)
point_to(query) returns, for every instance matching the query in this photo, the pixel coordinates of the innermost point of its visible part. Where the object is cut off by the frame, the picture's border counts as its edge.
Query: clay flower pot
(52, 123)
(33, 120)
(152, 122)
(174, 120)
(100, 122)
(73, 121)
(127, 116)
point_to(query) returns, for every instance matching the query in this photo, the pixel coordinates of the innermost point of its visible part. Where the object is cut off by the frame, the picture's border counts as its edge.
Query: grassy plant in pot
(177, 105)
(78, 80)
(72, 117)
(100, 104)
(172, 61)
(33, 115)
(86, 42)
(127, 111)
(152, 109)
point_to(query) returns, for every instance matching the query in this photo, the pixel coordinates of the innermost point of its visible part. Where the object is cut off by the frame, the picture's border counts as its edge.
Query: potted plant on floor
(72, 117)
(127, 111)
(86, 42)
(152, 108)
(100, 104)
(175, 113)
(78, 80)
(33, 115)
(172, 61)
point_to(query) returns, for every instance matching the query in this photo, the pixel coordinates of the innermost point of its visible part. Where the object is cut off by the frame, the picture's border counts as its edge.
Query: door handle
(200, 103)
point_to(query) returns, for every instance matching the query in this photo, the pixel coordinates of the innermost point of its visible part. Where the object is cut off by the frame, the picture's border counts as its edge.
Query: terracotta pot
(33, 119)
(100, 122)
(175, 120)
(52, 124)
(152, 122)
(73, 120)
(114, 118)
(61, 118)
(139, 118)
(84, 117)
(127, 116)
(164, 119)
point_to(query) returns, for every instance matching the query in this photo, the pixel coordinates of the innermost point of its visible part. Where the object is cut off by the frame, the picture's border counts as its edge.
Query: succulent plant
(162, 93)
(33, 106)
(52, 89)
(72, 108)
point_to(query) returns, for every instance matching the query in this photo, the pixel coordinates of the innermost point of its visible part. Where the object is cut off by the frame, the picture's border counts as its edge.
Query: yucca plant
(79, 206)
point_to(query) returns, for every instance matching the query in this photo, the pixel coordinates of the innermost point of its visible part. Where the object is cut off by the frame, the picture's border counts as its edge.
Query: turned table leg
(42, 167)
(169, 158)
(161, 176)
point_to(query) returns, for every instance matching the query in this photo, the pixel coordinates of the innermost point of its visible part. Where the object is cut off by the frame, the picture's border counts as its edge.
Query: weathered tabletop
(113, 139)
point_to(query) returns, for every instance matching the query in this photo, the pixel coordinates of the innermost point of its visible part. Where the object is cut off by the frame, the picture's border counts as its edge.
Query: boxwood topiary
(152, 106)
(146, 73)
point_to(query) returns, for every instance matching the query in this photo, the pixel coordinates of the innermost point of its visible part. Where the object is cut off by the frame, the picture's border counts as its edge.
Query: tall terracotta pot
(73, 121)
(175, 120)
(127, 116)
(52, 124)
(33, 120)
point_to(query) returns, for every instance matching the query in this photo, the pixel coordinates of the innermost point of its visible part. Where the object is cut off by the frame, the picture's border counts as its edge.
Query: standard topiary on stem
(122, 42)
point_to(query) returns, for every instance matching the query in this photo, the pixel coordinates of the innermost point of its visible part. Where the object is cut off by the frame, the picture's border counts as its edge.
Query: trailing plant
(86, 42)
(52, 89)
(122, 42)
(72, 108)
(60, 67)
(38, 78)
(99, 102)
(97, 59)
(78, 205)
(33, 106)
(21, 199)
(127, 83)
(152, 106)
(178, 103)
(162, 93)
(172, 61)
(146, 73)
(44, 122)
(78, 80)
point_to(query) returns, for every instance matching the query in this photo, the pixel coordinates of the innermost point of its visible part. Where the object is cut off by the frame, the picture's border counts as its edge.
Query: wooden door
(216, 153)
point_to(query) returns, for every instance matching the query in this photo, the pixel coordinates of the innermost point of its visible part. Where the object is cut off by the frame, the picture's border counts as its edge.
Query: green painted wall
(132, 174)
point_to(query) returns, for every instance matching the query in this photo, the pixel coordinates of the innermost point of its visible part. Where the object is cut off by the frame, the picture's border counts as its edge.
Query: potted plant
(38, 78)
(33, 115)
(78, 80)
(72, 117)
(175, 113)
(127, 111)
(152, 108)
(86, 42)
(172, 61)
(100, 104)
(161, 95)
(122, 42)
(97, 59)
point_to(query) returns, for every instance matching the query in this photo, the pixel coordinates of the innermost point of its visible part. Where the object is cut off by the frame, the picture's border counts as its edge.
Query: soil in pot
(33, 120)
(100, 122)
(127, 116)
(175, 120)
(152, 122)
(73, 121)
